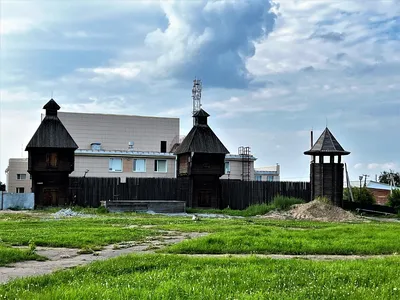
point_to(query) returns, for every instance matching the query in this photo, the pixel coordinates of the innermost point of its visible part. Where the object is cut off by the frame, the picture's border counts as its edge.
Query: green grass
(177, 277)
(11, 255)
(279, 202)
(70, 232)
(342, 239)
(253, 210)
(284, 203)
(245, 235)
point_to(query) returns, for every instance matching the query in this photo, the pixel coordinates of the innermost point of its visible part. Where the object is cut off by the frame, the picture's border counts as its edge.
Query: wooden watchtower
(326, 168)
(51, 159)
(201, 159)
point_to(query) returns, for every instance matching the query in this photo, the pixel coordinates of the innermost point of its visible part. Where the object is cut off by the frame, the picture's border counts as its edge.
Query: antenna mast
(196, 95)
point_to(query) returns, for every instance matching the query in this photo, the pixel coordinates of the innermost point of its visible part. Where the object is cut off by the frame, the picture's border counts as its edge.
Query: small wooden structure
(201, 159)
(326, 168)
(51, 159)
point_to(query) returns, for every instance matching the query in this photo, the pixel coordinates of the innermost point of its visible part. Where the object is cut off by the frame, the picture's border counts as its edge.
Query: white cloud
(382, 166)
(358, 166)
(127, 71)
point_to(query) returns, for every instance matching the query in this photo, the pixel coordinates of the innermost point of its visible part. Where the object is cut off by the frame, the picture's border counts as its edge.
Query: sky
(271, 72)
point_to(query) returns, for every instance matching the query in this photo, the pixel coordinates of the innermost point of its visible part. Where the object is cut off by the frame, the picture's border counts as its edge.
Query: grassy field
(342, 239)
(174, 276)
(226, 236)
(10, 255)
(177, 277)
(70, 232)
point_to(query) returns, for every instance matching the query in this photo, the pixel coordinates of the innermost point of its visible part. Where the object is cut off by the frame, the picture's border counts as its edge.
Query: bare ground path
(62, 258)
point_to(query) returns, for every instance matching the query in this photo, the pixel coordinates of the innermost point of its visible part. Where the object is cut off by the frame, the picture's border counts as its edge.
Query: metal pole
(359, 193)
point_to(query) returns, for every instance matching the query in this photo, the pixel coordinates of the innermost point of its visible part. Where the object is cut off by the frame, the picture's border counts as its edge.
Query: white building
(17, 177)
(127, 146)
(267, 173)
(122, 146)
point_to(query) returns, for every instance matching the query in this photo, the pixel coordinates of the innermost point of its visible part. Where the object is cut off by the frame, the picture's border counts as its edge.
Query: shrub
(284, 203)
(363, 196)
(394, 199)
(257, 209)
(324, 199)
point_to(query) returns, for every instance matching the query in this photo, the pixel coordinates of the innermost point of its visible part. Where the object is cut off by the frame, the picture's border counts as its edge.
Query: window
(21, 176)
(52, 160)
(270, 178)
(115, 165)
(160, 165)
(163, 146)
(20, 190)
(96, 146)
(139, 165)
(227, 167)
(258, 178)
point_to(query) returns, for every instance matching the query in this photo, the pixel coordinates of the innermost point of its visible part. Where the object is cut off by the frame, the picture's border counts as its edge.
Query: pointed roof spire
(201, 138)
(51, 108)
(327, 145)
(51, 132)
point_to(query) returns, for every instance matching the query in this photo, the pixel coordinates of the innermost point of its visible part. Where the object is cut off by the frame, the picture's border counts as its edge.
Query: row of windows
(269, 178)
(138, 165)
(23, 176)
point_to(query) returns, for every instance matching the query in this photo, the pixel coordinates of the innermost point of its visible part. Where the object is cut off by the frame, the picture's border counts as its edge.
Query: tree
(385, 177)
(394, 199)
(2, 187)
(363, 196)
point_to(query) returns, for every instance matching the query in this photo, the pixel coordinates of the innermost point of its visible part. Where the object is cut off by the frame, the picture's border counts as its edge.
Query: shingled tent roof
(51, 132)
(201, 139)
(326, 145)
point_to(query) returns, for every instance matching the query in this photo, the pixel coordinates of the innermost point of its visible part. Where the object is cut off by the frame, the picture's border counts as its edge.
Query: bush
(257, 209)
(394, 199)
(323, 199)
(365, 197)
(284, 203)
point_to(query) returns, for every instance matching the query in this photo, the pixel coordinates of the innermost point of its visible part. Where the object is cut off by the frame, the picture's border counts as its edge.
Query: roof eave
(310, 152)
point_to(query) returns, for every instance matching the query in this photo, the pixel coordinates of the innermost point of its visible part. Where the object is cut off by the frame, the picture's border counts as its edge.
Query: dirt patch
(315, 211)
(62, 258)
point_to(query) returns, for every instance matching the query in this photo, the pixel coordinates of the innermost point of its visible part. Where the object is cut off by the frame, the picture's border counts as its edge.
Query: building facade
(121, 145)
(239, 168)
(18, 179)
(126, 146)
(267, 173)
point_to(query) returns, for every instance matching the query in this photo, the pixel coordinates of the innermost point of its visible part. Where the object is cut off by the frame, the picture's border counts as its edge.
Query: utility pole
(365, 179)
(359, 192)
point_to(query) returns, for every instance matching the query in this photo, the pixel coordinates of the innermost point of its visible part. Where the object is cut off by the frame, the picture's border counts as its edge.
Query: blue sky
(271, 71)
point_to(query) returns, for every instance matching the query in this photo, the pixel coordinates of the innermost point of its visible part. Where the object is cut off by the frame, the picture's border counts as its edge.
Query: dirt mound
(315, 211)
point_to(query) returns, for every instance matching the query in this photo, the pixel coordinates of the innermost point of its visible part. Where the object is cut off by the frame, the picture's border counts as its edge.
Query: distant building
(17, 176)
(126, 146)
(267, 173)
(381, 191)
(121, 145)
(237, 167)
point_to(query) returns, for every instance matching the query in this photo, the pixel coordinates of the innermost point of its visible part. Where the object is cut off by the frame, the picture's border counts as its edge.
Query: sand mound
(314, 211)
(317, 210)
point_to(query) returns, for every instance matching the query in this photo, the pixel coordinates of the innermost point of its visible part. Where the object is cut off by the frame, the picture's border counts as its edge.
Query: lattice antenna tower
(196, 95)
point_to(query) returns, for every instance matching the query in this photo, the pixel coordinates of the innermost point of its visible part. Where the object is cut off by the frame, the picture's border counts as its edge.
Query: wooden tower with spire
(326, 168)
(201, 160)
(51, 159)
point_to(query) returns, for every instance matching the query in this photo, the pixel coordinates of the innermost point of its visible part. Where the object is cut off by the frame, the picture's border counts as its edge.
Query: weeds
(284, 203)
